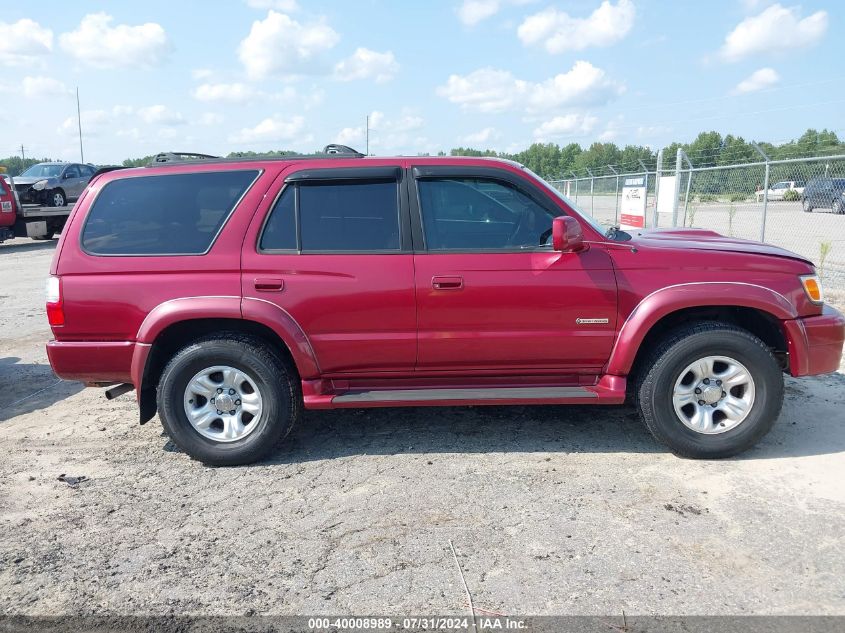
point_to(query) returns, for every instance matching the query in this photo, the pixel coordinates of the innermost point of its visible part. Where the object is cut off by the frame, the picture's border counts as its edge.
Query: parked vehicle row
(824, 193)
(231, 294)
(778, 191)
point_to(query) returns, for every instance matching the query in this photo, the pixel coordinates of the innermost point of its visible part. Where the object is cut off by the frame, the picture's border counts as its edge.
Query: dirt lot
(551, 510)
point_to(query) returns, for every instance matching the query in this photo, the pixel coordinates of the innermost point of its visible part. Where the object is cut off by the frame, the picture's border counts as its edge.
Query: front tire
(807, 206)
(838, 207)
(711, 390)
(258, 391)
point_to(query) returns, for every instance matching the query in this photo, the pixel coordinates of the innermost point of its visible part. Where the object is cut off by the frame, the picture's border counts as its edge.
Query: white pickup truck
(778, 190)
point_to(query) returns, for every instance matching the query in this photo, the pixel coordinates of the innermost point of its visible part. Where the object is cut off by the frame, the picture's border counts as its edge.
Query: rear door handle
(447, 283)
(266, 284)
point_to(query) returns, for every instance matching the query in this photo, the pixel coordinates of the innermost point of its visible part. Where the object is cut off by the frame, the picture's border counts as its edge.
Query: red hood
(701, 239)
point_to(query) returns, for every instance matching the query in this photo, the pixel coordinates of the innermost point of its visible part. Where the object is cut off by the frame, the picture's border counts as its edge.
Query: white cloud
(97, 43)
(93, 122)
(280, 45)
(202, 73)
(286, 6)
(566, 125)
(385, 132)
(482, 136)
(471, 12)
(271, 130)
(228, 93)
(758, 80)
(774, 30)
(210, 118)
(492, 90)
(23, 42)
(160, 115)
(367, 64)
(558, 32)
(34, 87)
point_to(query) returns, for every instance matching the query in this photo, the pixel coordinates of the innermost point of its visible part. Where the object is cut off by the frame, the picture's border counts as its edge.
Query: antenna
(367, 152)
(79, 121)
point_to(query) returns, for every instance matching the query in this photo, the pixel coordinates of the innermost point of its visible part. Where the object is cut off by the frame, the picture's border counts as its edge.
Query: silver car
(53, 184)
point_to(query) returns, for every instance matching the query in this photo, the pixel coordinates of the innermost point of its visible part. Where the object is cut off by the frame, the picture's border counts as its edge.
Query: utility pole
(368, 135)
(23, 155)
(79, 121)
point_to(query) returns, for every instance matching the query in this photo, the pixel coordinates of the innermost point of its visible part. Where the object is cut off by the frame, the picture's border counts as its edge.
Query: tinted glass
(469, 214)
(161, 215)
(72, 172)
(280, 230)
(349, 216)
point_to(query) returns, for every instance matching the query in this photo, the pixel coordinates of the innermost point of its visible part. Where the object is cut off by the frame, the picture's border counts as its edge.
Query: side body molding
(690, 295)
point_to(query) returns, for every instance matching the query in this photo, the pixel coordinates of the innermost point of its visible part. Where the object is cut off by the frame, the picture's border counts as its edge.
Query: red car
(231, 294)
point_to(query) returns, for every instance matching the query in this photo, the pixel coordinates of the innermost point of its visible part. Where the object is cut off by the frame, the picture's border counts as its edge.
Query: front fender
(690, 295)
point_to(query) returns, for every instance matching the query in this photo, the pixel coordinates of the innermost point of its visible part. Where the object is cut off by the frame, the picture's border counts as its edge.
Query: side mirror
(566, 235)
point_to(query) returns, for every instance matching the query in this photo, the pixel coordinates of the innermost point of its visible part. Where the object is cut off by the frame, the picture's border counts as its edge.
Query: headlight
(813, 288)
(38, 186)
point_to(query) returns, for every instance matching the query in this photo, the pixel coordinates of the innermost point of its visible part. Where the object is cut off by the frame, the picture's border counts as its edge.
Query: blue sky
(220, 76)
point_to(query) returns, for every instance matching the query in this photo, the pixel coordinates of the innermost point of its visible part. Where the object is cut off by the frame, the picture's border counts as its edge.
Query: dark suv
(824, 193)
(231, 294)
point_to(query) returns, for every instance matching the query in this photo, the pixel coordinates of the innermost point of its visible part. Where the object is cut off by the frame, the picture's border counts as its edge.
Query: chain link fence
(797, 204)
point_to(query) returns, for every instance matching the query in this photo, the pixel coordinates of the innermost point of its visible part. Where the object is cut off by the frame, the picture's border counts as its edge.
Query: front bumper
(815, 343)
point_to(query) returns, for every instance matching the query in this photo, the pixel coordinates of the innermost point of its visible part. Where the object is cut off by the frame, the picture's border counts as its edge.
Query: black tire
(45, 237)
(55, 198)
(838, 207)
(277, 383)
(685, 345)
(807, 206)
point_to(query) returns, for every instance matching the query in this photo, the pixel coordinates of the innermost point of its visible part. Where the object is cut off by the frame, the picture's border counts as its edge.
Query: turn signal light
(813, 288)
(55, 305)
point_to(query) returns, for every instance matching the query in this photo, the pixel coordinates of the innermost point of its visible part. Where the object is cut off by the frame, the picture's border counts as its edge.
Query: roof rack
(178, 157)
(173, 158)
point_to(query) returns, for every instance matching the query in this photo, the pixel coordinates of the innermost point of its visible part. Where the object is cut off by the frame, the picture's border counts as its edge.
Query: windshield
(602, 230)
(43, 171)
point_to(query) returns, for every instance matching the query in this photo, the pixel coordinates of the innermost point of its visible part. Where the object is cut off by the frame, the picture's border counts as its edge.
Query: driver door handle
(447, 282)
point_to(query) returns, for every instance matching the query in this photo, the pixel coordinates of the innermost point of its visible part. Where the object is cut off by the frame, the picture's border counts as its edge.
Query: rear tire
(838, 207)
(188, 412)
(44, 238)
(807, 206)
(711, 425)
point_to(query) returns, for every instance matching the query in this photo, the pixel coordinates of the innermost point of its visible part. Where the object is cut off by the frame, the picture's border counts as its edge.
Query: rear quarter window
(171, 214)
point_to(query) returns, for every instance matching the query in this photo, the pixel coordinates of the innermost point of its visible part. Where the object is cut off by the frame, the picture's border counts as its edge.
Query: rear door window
(342, 216)
(172, 214)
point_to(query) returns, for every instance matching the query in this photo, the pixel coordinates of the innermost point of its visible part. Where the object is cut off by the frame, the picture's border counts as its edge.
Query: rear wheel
(807, 206)
(228, 400)
(712, 390)
(838, 207)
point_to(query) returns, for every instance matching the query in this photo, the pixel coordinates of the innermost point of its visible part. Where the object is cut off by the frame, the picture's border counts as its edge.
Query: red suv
(231, 294)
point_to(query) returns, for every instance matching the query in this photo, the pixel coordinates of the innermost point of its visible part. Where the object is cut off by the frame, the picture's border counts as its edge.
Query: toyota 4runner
(233, 294)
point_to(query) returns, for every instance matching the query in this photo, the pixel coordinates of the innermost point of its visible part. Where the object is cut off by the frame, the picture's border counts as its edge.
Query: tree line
(553, 161)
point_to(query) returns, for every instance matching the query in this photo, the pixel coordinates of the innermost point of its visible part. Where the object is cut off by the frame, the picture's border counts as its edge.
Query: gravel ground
(551, 510)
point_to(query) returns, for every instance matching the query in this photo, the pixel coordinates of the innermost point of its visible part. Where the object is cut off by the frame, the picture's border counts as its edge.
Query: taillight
(55, 305)
(6, 197)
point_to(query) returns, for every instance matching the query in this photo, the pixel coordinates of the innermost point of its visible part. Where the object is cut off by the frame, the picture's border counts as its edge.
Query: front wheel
(838, 207)
(228, 400)
(807, 206)
(713, 390)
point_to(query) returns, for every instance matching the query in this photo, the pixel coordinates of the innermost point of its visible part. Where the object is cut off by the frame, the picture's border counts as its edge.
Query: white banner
(665, 194)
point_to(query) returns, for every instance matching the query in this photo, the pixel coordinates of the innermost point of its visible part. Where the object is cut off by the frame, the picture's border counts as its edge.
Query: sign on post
(632, 208)
(666, 194)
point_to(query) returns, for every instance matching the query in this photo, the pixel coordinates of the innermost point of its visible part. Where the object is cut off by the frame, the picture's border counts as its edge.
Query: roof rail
(344, 150)
(178, 157)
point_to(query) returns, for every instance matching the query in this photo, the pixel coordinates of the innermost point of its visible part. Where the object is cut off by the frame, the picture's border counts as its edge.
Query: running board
(320, 395)
(501, 393)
